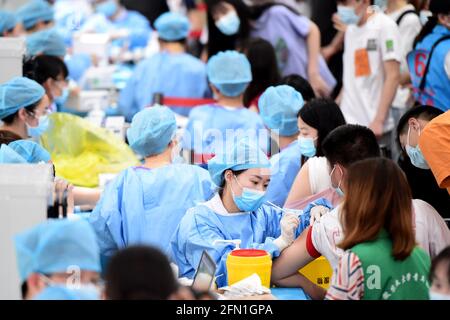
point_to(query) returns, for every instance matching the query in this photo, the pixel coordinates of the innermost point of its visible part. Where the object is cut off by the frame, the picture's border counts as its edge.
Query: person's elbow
(276, 278)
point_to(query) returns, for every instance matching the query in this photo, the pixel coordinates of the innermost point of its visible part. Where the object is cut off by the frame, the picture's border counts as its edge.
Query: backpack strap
(423, 81)
(399, 20)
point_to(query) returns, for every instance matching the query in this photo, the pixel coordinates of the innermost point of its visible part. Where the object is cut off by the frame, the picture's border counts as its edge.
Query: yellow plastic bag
(81, 151)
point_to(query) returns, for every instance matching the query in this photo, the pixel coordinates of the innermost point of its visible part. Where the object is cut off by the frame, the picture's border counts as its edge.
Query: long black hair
(43, 67)
(426, 29)
(324, 115)
(217, 41)
(263, 60)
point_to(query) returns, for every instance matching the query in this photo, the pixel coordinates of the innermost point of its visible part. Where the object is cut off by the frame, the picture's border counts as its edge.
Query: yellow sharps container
(242, 263)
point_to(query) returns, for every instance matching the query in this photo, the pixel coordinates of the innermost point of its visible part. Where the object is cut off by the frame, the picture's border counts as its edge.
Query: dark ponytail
(427, 29)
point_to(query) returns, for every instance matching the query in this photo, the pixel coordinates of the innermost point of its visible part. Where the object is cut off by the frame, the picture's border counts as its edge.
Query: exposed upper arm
(301, 188)
(291, 259)
(392, 68)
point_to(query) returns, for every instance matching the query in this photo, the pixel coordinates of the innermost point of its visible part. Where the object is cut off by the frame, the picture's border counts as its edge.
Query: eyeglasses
(34, 115)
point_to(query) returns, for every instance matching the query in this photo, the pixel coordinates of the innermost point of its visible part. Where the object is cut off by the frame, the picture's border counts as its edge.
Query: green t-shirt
(388, 279)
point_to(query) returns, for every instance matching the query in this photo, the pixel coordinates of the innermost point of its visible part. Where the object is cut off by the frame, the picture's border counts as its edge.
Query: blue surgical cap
(57, 246)
(60, 292)
(19, 93)
(31, 151)
(7, 21)
(279, 107)
(48, 42)
(151, 130)
(9, 156)
(242, 155)
(230, 72)
(35, 11)
(172, 26)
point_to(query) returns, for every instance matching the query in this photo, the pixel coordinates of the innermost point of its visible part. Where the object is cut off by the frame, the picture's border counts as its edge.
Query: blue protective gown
(143, 206)
(284, 167)
(209, 126)
(201, 226)
(174, 75)
(137, 25)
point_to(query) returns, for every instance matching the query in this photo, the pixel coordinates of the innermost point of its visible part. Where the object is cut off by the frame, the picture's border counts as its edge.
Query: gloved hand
(289, 223)
(316, 213)
(317, 209)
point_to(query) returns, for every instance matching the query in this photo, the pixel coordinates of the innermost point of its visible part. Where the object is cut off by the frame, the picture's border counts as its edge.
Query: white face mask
(438, 296)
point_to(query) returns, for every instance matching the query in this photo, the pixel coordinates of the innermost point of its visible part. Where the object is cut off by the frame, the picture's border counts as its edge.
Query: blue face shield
(415, 154)
(307, 147)
(108, 8)
(348, 15)
(229, 24)
(250, 200)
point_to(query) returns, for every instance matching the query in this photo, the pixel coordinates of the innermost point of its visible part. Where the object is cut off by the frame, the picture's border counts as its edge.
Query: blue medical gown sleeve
(103, 214)
(120, 207)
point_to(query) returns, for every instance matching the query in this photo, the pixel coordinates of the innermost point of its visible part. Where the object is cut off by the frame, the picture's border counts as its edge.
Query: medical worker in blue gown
(279, 107)
(144, 204)
(172, 71)
(10, 26)
(38, 19)
(237, 211)
(36, 15)
(59, 260)
(128, 29)
(23, 151)
(210, 127)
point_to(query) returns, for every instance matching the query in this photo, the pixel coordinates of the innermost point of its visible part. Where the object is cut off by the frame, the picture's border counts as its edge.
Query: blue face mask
(382, 4)
(61, 101)
(229, 24)
(415, 154)
(250, 200)
(338, 188)
(307, 147)
(44, 124)
(108, 8)
(348, 15)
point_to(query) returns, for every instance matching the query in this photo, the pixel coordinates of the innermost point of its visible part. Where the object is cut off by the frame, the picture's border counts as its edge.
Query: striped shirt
(347, 282)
